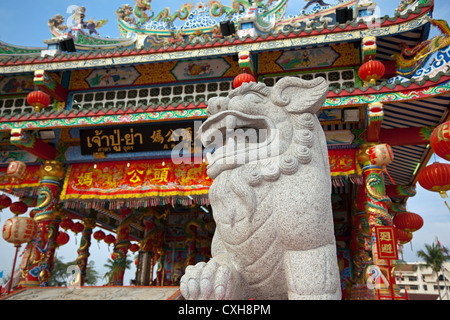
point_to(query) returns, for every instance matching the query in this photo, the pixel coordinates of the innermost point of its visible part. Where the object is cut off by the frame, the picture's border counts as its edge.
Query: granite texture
(271, 196)
(96, 293)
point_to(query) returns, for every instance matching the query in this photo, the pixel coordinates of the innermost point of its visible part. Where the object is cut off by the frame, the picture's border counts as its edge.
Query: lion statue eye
(253, 98)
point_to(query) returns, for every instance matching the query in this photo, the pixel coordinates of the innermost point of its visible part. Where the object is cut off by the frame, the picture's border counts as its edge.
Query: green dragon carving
(182, 13)
(140, 10)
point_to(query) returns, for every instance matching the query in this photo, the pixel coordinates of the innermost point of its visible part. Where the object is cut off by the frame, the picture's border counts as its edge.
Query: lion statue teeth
(271, 196)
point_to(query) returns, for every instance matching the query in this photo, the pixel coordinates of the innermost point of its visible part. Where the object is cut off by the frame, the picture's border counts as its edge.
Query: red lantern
(5, 201)
(38, 99)
(109, 239)
(18, 207)
(408, 221)
(403, 236)
(66, 224)
(134, 247)
(62, 239)
(241, 78)
(440, 140)
(371, 71)
(16, 169)
(435, 177)
(113, 257)
(77, 227)
(99, 235)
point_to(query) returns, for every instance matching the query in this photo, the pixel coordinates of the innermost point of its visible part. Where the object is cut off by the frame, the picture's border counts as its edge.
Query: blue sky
(25, 23)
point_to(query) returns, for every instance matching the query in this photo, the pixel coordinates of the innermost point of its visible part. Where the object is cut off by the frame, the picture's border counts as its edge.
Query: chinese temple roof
(409, 27)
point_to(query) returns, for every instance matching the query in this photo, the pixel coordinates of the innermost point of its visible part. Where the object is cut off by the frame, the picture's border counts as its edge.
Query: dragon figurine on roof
(410, 59)
(311, 2)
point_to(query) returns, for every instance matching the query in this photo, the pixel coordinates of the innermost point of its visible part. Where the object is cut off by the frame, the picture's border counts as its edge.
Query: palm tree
(110, 266)
(434, 258)
(59, 274)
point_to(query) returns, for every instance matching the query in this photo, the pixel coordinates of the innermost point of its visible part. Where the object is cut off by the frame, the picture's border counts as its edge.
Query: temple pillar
(361, 241)
(121, 248)
(152, 248)
(83, 250)
(375, 212)
(191, 241)
(145, 257)
(160, 257)
(48, 216)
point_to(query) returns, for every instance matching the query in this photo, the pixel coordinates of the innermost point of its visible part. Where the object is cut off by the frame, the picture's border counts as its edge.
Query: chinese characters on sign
(138, 138)
(135, 179)
(386, 242)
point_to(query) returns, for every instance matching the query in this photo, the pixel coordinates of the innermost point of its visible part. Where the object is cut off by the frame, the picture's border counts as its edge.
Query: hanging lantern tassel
(443, 194)
(447, 205)
(76, 228)
(99, 235)
(392, 180)
(10, 188)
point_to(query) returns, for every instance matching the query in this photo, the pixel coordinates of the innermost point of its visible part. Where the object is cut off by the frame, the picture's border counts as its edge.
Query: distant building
(421, 283)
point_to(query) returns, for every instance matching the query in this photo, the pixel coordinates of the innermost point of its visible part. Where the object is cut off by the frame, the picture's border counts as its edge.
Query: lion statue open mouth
(271, 196)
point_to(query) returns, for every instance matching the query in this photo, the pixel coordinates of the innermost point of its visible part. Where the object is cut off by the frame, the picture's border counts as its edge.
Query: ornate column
(48, 216)
(144, 271)
(361, 241)
(191, 241)
(83, 250)
(377, 202)
(152, 246)
(121, 248)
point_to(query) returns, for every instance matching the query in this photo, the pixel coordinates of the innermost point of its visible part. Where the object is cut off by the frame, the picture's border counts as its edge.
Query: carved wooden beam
(50, 85)
(406, 136)
(33, 145)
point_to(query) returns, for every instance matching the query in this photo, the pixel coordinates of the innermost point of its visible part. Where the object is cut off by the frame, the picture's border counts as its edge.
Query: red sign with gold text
(386, 242)
(134, 179)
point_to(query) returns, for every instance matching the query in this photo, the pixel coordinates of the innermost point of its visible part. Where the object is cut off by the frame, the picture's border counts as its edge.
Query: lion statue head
(270, 125)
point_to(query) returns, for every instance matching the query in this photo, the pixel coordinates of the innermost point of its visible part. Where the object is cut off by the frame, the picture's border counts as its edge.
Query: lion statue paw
(210, 281)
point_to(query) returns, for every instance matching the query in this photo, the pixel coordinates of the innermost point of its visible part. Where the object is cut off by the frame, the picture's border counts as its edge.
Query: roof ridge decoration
(406, 5)
(144, 28)
(202, 20)
(412, 62)
(199, 21)
(84, 32)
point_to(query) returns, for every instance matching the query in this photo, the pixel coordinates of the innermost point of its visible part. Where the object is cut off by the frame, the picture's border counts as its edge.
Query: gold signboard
(138, 138)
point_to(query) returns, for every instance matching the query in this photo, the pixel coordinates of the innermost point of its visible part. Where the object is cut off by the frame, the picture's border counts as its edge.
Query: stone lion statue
(271, 196)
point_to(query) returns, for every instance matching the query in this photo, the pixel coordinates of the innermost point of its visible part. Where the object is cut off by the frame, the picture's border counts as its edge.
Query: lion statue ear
(298, 95)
